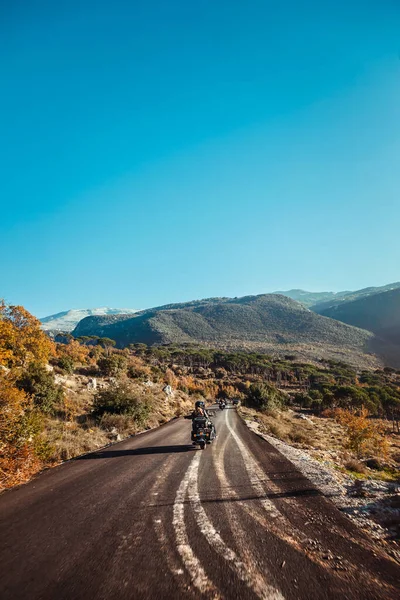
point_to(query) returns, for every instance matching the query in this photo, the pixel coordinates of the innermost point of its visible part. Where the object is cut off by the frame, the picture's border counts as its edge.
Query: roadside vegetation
(61, 398)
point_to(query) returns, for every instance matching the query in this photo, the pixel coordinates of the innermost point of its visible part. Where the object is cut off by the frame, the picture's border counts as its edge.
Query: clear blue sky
(157, 151)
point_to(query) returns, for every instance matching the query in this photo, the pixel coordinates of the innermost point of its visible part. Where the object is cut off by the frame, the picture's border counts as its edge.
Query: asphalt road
(152, 517)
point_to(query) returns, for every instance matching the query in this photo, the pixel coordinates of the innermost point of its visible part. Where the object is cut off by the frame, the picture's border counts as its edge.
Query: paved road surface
(152, 517)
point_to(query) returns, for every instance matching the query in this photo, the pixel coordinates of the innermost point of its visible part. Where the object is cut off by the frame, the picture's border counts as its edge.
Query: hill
(311, 298)
(321, 305)
(377, 312)
(68, 320)
(266, 322)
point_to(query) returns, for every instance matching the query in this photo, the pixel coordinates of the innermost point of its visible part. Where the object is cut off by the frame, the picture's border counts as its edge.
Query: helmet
(199, 404)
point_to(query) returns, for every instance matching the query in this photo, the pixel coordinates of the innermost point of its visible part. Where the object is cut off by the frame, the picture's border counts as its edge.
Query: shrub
(352, 464)
(300, 437)
(122, 399)
(110, 422)
(75, 351)
(263, 396)
(303, 400)
(277, 431)
(364, 436)
(19, 426)
(39, 383)
(66, 364)
(138, 369)
(113, 365)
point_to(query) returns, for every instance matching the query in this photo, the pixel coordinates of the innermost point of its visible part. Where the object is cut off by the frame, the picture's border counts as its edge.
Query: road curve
(152, 517)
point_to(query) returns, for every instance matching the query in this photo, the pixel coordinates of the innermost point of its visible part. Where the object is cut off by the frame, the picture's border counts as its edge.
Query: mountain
(263, 322)
(68, 320)
(318, 301)
(321, 305)
(376, 312)
(310, 298)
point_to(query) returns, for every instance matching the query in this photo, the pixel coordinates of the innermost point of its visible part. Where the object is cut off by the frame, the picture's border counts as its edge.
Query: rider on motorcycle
(200, 411)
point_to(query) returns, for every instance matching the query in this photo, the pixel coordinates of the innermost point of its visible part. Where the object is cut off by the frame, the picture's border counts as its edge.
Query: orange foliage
(138, 368)
(18, 465)
(22, 340)
(171, 379)
(364, 436)
(18, 461)
(74, 350)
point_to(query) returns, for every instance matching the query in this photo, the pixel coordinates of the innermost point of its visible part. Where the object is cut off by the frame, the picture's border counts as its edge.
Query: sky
(155, 152)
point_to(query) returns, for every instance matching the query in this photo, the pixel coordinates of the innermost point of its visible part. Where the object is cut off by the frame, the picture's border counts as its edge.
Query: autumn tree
(22, 340)
(19, 427)
(364, 436)
(76, 352)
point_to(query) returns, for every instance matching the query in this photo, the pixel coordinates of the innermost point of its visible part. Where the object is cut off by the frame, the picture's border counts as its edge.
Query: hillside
(263, 322)
(379, 313)
(321, 305)
(68, 320)
(310, 298)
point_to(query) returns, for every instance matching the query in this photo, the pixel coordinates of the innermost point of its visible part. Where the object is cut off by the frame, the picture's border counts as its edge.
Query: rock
(92, 383)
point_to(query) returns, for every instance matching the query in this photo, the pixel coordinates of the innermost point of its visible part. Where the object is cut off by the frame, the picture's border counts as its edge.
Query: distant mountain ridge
(264, 321)
(356, 295)
(318, 301)
(376, 312)
(68, 320)
(309, 298)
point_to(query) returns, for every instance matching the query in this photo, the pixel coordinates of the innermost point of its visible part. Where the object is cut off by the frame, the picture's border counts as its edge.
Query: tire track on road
(191, 562)
(244, 572)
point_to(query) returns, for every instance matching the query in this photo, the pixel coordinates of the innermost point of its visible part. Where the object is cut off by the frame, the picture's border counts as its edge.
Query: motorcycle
(222, 405)
(202, 432)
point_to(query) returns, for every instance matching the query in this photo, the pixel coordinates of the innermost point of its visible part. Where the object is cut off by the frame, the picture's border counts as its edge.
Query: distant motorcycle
(222, 405)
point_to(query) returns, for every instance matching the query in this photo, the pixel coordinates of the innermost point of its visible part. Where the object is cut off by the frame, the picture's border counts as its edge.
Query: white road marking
(190, 560)
(255, 472)
(255, 582)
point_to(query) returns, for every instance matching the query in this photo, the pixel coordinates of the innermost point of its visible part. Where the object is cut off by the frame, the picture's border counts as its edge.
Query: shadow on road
(138, 451)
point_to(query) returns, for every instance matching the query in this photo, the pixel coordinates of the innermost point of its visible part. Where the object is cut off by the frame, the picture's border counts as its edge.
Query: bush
(352, 464)
(137, 369)
(39, 383)
(122, 399)
(364, 436)
(300, 437)
(303, 400)
(122, 423)
(263, 396)
(277, 431)
(113, 365)
(20, 424)
(66, 364)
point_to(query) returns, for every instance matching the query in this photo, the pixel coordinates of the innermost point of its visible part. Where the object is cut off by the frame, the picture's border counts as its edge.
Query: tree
(77, 352)
(265, 397)
(22, 340)
(364, 436)
(107, 344)
(19, 427)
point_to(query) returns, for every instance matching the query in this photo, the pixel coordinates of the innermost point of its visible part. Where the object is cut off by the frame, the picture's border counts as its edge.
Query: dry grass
(326, 440)
(74, 431)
